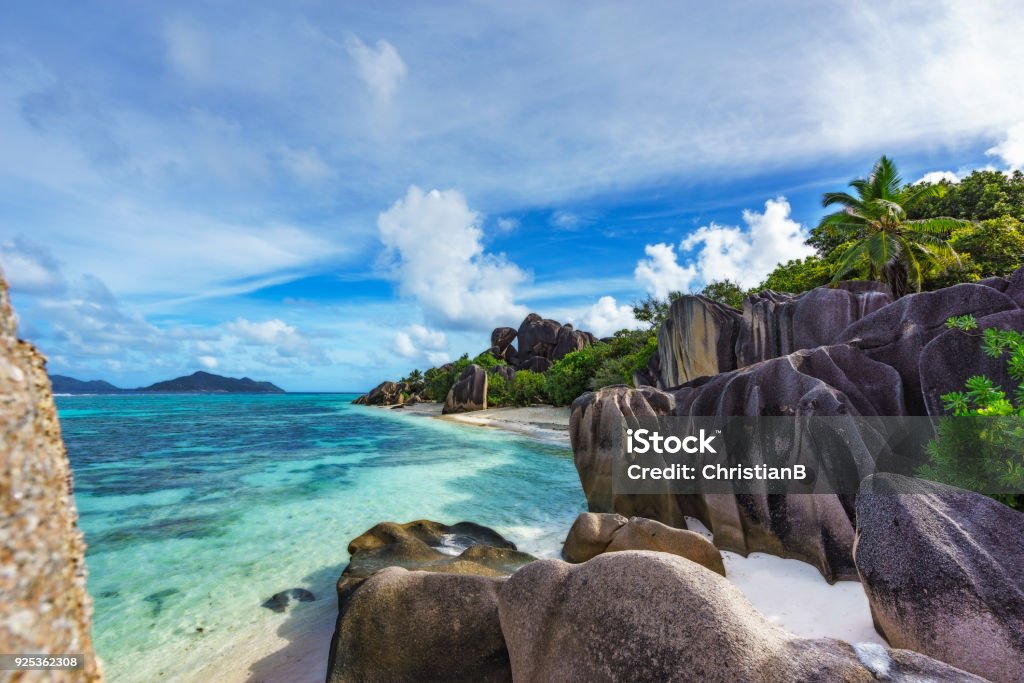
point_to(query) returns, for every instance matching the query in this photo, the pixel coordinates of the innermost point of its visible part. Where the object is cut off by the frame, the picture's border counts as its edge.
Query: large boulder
(697, 339)
(405, 602)
(502, 337)
(468, 393)
(537, 364)
(896, 334)
(570, 340)
(594, 533)
(646, 616)
(537, 337)
(1015, 287)
(954, 356)
(420, 626)
(835, 381)
(384, 394)
(45, 607)
(777, 324)
(942, 569)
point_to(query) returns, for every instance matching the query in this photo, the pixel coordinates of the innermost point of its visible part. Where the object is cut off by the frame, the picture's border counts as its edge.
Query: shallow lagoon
(196, 509)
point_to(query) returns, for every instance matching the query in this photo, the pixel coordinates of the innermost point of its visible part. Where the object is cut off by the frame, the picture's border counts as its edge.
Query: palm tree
(895, 249)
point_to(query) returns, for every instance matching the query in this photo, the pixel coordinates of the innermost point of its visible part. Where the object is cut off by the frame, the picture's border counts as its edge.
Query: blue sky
(328, 194)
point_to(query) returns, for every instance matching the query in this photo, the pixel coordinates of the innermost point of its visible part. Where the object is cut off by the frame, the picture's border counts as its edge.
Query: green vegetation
(724, 292)
(980, 447)
(977, 232)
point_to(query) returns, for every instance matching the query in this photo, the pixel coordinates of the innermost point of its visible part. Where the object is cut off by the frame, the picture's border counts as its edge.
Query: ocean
(197, 508)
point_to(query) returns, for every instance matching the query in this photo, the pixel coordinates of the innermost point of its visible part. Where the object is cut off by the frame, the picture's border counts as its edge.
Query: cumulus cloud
(1011, 149)
(416, 342)
(208, 362)
(381, 68)
(660, 273)
(937, 177)
(744, 254)
(435, 253)
(565, 220)
(30, 268)
(607, 317)
(508, 224)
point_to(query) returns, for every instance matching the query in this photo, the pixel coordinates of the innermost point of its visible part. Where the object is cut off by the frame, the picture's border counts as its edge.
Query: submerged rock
(469, 393)
(942, 569)
(279, 602)
(45, 606)
(645, 616)
(593, 534)
(420, 626)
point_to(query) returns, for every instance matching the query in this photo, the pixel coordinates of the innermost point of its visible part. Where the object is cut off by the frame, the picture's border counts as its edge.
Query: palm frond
(885, 179)
(849, 260)
(841, 198)
(938, 226)
(915, 193)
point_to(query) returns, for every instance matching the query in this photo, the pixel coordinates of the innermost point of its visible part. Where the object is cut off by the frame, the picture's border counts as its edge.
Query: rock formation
(45, 607)
(942, 569)
(593, 533)
(421, 626)
(379, 617)
(384, 394)
(645, 616)
(468, 393)
(697, 339)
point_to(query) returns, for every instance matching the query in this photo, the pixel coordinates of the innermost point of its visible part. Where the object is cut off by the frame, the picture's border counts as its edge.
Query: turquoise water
(196, 509)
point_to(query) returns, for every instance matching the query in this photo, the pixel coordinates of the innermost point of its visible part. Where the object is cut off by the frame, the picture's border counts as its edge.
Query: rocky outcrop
(954, 356)
(644, 616)
(697, 339)
(384, 394)
(593, 533)
(537, 337)
(541, 343)
(468, 393)
(836, 381)
(407, 607)
(45, 607)
(942, 569)
(570, 340)
(896, 334)
(777, 324)
(420, 626)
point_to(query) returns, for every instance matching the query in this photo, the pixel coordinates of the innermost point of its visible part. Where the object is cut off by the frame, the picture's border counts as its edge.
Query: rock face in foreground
(437, 623)
(45, 608)
(643, 616)
(421, 626)
(468, 393)
(593, 534)
(943, 569)
(697, 339)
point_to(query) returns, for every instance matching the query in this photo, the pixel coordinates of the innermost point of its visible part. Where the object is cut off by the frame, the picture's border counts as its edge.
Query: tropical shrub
(724, 292)
(528, 388)
(570, 376)
(439, 381)
(980, 447)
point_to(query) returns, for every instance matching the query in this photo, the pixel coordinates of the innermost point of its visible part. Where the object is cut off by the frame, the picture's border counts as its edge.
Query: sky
(326, 195)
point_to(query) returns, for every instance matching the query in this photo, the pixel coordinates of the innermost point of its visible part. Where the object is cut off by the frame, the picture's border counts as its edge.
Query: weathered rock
(593, 534)
(468, 393)
(697, 339)
(1015, 287)
(409, 608)
(954, 356)
(502, 337)
(537, 337)
(651, 375)
(420, 626)
(828, 381)
(536, 364)
(645, 616)
(896, 334)
(777, 324)
(942, 571)
(384, 394)
(278, 602)
(570, 340)
(45, 608)
(506, 372)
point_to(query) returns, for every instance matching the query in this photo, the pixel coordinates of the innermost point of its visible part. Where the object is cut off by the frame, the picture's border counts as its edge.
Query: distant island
(196, 383)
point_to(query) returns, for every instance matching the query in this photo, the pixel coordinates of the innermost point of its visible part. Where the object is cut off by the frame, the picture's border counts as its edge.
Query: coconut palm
(874, 223)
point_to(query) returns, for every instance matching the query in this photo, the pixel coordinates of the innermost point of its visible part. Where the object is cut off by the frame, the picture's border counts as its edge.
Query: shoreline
(542, 422)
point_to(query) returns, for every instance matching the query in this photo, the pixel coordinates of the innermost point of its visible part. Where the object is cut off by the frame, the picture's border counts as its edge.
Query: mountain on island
(69, 385)
(196, 383)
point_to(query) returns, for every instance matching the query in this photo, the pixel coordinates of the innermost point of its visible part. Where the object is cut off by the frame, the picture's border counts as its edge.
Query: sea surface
(196, 509)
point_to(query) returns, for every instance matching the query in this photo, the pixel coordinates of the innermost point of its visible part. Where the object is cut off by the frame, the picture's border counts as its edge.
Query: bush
(724, 292)
(798, 275)
(980, 447)
(570, 376)
(628, 352)
(439, 381)
(528, 388)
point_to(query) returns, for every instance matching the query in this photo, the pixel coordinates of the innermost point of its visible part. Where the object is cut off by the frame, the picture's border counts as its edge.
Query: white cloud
(1011, 149)
(416, 342)
(433, 241)
(274, 332)
(660, 273)
(938, 176)
(306, 164)
(382, 69)
(565, 220)
(30, 268)
(507, 225)
(208, 362)
(607, 317)
(744, 255)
